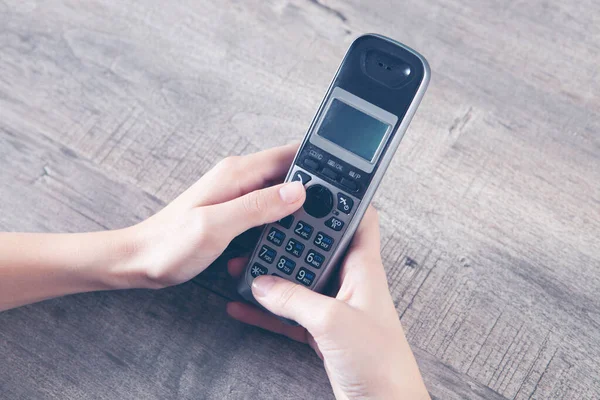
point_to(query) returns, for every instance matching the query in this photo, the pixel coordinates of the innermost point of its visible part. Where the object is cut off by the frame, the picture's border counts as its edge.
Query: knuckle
(202, 231)
(254, 203)
(328, 315)
(287, 295)
(229, 163)
(374, 212)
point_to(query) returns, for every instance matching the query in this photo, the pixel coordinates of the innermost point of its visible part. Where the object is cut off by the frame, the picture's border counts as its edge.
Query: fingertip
(234, 309)
(235, 266)
(292, 192)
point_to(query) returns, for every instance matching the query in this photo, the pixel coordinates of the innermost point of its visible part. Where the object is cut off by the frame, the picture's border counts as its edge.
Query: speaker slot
(386, 69)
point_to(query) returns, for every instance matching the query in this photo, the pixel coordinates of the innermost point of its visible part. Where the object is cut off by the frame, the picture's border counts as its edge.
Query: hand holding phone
(357, 334)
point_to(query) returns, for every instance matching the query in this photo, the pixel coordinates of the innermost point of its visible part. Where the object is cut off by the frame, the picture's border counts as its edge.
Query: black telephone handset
(341, 161)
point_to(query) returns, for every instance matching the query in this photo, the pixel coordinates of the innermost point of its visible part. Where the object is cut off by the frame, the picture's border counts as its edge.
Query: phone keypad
(290, 248)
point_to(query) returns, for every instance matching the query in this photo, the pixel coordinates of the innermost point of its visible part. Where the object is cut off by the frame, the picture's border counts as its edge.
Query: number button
(286, 265)
(305, 276)
(267, 254)
(344, 203)
(286, 222)
(258, 270)
(323, 241)
(294, 247)
(275, 236)
(303, 230)
(334, 224)
(314, 259)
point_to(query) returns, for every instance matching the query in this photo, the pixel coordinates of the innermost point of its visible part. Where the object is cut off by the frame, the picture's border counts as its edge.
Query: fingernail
(291, 192)
(262, 285)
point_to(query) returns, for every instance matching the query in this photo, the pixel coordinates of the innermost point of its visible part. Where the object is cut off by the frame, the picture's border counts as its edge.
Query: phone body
(341, 161)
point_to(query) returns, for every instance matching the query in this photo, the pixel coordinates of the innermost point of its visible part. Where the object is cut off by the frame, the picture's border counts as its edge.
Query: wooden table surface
(490, 211)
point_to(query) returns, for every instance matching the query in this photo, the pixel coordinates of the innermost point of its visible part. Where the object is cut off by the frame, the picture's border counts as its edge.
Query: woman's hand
(170, 247)
(357, 334)
(185, 237)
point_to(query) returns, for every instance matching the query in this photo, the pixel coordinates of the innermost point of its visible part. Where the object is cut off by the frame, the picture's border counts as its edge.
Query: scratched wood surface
(490, 211)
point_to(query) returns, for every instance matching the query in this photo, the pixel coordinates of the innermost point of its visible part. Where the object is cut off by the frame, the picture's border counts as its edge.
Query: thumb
(292, 301)
(256, 208)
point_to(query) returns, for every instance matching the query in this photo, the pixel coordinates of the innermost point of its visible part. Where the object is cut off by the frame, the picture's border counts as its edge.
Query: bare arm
(37, 266)
(168, 248)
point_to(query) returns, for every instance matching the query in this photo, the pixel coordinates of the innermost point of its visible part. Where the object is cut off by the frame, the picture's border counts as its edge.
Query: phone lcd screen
(352, 129)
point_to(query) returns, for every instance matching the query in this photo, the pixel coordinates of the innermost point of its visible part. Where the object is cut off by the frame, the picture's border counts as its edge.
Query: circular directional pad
(319, 201)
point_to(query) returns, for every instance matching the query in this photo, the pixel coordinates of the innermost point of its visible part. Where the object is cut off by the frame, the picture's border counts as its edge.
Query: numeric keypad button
(276, 237)
(294, 247)
(303, 230)
(334, 223)
(286, 222)
(323, 241)
(305, 277)
(267, 254)
(314, 259)
(286, 265)
(344, 203)
(258, 270)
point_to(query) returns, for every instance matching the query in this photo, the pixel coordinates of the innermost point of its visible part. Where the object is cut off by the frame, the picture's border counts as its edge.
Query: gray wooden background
(490, 211)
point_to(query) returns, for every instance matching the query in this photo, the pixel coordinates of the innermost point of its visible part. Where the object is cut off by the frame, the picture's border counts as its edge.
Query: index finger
(237, 176)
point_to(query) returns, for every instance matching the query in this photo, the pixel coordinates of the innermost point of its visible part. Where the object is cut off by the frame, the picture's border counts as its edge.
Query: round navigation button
(319, 201)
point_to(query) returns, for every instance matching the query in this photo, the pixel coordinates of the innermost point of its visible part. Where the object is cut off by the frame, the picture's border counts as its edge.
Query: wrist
(123, 269)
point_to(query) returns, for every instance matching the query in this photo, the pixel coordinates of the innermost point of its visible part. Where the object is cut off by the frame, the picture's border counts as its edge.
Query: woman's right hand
(357, 334)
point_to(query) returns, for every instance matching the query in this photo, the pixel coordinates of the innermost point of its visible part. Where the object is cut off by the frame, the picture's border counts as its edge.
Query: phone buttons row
(304, 276)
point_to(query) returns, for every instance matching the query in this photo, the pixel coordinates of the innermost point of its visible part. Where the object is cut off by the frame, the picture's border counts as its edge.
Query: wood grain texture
(490, 210)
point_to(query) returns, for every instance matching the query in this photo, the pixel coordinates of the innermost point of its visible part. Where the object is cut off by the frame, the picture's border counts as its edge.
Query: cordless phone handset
(341, 161)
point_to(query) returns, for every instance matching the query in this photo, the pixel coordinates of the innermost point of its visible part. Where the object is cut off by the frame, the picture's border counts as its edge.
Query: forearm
(35, 266)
